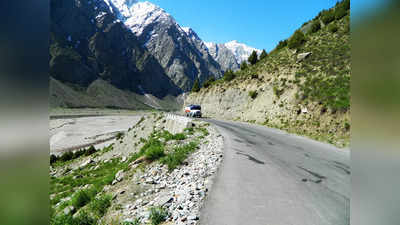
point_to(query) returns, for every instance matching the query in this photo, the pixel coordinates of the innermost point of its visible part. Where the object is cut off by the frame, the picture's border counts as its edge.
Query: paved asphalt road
(269, 177)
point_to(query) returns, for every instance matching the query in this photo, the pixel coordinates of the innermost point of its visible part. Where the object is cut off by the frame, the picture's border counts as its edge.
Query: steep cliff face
(304, 89)
(90, 46)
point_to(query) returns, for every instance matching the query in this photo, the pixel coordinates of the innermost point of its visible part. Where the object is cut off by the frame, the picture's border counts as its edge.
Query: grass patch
(100, 205)
(82, 197)
(153, 149)
(158, 215)
(82, 219)
(179, 154)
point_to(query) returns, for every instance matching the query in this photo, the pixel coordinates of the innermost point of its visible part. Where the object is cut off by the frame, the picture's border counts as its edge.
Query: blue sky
(257, 23)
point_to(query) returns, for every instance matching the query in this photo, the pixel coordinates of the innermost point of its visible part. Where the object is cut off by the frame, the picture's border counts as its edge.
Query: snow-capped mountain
(179, 50)
(223, 56)
(240, 50)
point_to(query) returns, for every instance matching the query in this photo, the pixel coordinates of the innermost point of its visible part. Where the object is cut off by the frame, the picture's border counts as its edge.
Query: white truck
(193, 111)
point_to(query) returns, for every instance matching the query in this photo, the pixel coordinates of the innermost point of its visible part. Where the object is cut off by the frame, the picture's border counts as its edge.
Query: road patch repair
(159, 170)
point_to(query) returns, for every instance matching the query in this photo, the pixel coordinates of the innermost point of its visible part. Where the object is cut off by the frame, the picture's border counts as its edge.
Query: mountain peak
(142, 14)
(240, 50)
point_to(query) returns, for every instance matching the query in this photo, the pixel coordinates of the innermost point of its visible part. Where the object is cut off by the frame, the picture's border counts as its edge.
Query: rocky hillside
(302, 86)
(97, 61)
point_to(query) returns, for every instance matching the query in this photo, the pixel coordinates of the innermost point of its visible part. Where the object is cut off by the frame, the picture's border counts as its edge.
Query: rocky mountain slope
(179, 51)
(223, 56)
(97, 62)
(122, 54)
(302, 86)
(240, 50)
(231, 54)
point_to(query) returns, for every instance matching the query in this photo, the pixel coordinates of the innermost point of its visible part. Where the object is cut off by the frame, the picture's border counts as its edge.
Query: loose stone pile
(180, 191)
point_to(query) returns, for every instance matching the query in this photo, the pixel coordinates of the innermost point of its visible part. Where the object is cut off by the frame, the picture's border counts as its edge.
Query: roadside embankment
(160, 169)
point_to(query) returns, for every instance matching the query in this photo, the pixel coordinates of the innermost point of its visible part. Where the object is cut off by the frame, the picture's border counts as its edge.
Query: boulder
(302, 56)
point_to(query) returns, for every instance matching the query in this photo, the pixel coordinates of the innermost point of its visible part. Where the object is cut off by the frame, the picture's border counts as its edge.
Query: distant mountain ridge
(180, 51)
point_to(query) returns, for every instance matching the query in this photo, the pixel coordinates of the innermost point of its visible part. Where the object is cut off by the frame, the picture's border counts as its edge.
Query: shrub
(80, 199)
(278, 92)
(67, 156)
(209, 82)
(179, 136)
(281, 44)
(91, 150)
(153, 149)
(253, 94)
(347, 126)
(136, 221)
(332, 28)
(101, 204)
(157, 215)
(84, 219)
(315, 26)
(296, 40)
(53, 159)
(340, 12)
(243, 66)
(327, 16)
(253, 58)
(229, 75)
(119, 135)
(196, 86)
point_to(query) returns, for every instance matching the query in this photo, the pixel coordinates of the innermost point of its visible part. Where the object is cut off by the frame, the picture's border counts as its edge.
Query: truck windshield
(195, 107)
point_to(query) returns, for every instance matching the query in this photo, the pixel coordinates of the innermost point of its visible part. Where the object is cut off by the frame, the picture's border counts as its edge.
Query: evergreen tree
(296, 40)
(196, 86)
(263, 54)
(243, 66)
(253, 58)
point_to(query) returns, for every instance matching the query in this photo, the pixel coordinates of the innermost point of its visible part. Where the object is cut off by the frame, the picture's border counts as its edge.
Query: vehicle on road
(193, 111)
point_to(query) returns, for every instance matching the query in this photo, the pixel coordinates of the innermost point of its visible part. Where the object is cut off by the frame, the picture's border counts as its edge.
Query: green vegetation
(332, 28)
(243, 66)
(253, 58)
(263, 54)
(119, 135)
(196, 86)
(281, 44)
(315, 26)
(179, 154)
(229, 75)
(158, 215)
(101, 204)
(296, 40)
(209, 82)
(83, 218)
(72, 155)
(327, 16)
(153, 149)
(82, 197)
(253, 94)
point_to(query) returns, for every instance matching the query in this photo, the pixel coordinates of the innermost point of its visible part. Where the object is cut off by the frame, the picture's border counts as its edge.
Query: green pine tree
(263, 54)
(243, 66)
(253, 58)
(196, 86)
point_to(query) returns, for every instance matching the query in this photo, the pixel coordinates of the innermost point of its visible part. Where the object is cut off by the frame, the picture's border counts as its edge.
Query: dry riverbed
(145, 176)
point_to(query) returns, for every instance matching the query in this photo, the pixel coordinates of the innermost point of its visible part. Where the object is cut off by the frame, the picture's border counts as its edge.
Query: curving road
(269, 177)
